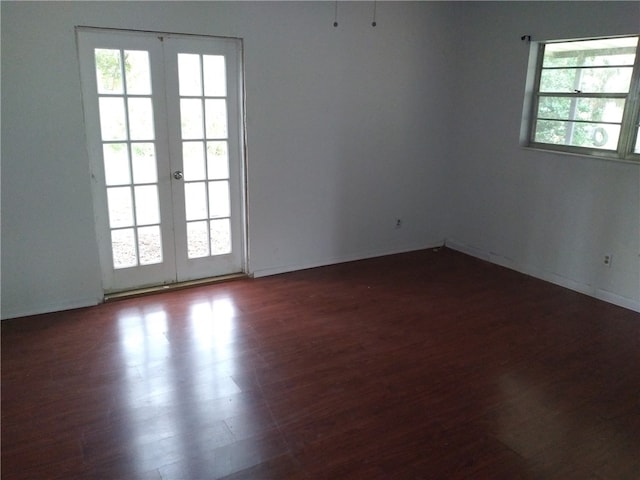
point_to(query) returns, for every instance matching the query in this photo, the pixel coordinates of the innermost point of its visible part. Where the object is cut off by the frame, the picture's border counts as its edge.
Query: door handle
(177, 175)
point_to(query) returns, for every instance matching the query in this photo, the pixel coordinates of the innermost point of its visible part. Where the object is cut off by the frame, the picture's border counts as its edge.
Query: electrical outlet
(398, 222)
(607, 259)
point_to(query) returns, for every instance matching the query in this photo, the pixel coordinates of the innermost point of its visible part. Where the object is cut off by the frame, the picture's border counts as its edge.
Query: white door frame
(168, 147)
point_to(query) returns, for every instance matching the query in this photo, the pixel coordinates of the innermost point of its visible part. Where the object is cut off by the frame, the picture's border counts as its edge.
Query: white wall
(348, 129)
(553, 216)
(346, 132)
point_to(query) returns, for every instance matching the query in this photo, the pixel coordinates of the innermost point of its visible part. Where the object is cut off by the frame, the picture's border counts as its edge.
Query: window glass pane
(195, 200)
(136, 67)
(220, 236)
(113, 124)
(116, 164)
(144, 163)
(577, 134)
(586, 80)
(193, 161)
(216, 114)
(108, 71)
(189, 76)
(581, 97)
(123, 248)
(147, 208)
(149, 245)
(217, 160)
(600, 52)
(587, 109)
(141, 119)
(197, 240)
(120, 207)
(215, 81)
(219, 199)
(191, 118)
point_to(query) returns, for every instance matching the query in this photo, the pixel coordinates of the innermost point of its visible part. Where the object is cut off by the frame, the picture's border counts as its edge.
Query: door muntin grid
(205, 153)
(126, 116)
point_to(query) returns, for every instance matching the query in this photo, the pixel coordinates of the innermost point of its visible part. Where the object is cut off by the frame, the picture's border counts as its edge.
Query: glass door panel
(126, 116)
(203, 199)
(208, 102)
(164, 136)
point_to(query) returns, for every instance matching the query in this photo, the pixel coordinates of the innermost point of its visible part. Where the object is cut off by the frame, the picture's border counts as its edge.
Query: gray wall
(550, 215)
(347, 129)
(340, 135)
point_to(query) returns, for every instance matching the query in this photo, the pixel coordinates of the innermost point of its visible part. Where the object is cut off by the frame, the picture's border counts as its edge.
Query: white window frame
(630, 117)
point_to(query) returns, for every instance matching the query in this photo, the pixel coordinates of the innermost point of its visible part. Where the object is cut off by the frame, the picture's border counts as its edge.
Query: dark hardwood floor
(426, 365)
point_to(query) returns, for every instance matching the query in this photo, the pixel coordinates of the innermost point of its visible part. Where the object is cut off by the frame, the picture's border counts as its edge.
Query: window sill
(581, 155)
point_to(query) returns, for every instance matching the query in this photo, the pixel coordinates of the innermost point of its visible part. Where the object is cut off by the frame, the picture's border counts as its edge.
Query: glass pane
(149, 245)
(189, 74)
(215, 79)
(587, 109)
(601, 52)
(216, 114)
(147, 208)
(195, 198)
(637, 147)
(220, 236)
(586, 80)
(590, 135)
(108, 71)
(193, 161)
(120, 207)
(136, 67)
(113, 124)
(123, 247)
(141, 119)
(144, 163)
(116, 164)
(217, 160)
(219, 199)
(197, 240)
(191, 118)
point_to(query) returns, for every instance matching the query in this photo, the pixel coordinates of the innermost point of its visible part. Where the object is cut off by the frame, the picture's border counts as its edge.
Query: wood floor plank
(425, 365)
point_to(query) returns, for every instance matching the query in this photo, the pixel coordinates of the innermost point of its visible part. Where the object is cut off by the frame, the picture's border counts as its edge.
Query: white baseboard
(27, 311)
(467, 249)
(550, 277)
(547, 276)
(619, 300)
(264, 272)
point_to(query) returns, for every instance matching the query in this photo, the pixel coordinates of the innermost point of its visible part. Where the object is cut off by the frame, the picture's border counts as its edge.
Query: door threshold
(139, 292)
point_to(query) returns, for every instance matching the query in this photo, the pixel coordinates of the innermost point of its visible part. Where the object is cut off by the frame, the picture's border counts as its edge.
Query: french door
(164, 134)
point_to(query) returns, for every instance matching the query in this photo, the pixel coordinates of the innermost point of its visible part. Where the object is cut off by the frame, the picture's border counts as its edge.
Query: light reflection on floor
(212, 325)
(160, 422)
